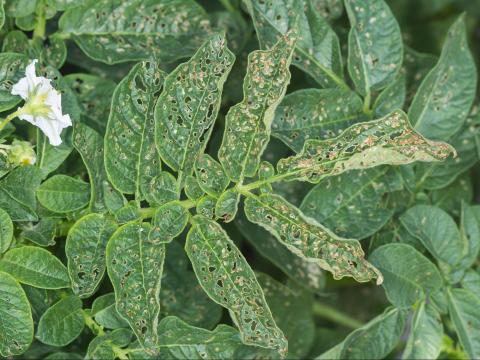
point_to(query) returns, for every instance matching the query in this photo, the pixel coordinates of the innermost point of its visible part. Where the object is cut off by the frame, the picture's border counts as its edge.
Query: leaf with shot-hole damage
(188, 106)
(308, 239)
(389, 140)
(131, 158)
(247, 124)
(135, 265)
(215, 259)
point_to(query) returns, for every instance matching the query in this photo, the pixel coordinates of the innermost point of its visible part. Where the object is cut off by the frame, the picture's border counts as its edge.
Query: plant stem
(40, 21)
(92, 324)
(366, 104)
(228, 5)
(332, 314)
(9, 118)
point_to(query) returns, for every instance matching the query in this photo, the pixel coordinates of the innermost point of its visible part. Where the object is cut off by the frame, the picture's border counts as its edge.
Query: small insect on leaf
(389, 140)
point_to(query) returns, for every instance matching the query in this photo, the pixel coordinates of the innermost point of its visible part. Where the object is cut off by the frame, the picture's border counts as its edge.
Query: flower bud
(21, 153)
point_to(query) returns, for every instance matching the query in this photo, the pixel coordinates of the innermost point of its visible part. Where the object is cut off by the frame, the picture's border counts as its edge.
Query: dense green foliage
(254, 179)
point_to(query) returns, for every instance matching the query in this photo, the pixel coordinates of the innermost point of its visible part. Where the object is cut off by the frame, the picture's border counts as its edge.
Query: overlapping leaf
(248, 124)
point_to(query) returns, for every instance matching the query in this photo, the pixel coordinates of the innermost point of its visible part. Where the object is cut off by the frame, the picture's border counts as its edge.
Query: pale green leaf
(161, 189)
(63, 194)
(425, 339)
(35, 266)
(408, 275)
(391, 98)
(188, 106)
(248, 124)
(317, 51)
(305, 273)
(135, 264)
(308, 239)
(12, 69)
(131, 158)
(463, 308)
(292, 311)
(227, 205)
(471, 282)
(446, 94)
(351, 204)
(214, 256)
(168, 30)
(16, 332)
(206, 206)
(436, 230)
(389, 140)
(62, 323)
(17, 193)
(43, 233)
(6, 231)
(181, 293)
(85, 249)
(192, 188)
(169, 221)
(315, 114)
(375, 46)
(375, 340)
(210, 175)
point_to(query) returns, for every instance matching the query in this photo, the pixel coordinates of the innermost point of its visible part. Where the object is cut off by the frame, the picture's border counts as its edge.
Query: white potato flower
(43, 104)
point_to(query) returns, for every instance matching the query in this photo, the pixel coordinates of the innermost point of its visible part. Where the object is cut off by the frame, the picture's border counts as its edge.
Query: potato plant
(253, 179)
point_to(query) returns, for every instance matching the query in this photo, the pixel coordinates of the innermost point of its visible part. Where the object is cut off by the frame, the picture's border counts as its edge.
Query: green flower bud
(21, 153)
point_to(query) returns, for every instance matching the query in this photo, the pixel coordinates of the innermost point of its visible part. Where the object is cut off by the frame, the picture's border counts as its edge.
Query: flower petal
(31, 75)
(21, 88)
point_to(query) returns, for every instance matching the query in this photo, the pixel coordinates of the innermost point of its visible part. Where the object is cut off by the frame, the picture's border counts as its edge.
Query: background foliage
(237, 174)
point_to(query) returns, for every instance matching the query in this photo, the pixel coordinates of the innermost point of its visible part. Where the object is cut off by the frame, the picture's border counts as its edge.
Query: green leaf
(89, 144)
(409, 276)
(20, 8)
(227, 205)
(351, 204)
(169, 30)
(188, 106)
(35, 266)
(471, 282)
(192, 188)
(43, 233)
(391, 98)
(214, 256)
(315, 114)
(317, 51)
(181, 293)
(62, 323)
(63, 194)
(416, 66)
(308, 239)
(64, 356)
(2, 14)
(389, 140)
(292, 311)
(105, 313)
(169, 221)
(305, 273)
(101, 347)
(6, 231)
(436, 230)
(135, 264)
(17, 193)
(425, 339)
(446, 94)
(375, 46)
(161, 189)
(374, 340)
(50, 157)
(11, 71)
(247, 124)
(16, 332)
(210, 175)
(463, 308)
(131, 158)
(15, 41)
(85, 249)
(470, 234)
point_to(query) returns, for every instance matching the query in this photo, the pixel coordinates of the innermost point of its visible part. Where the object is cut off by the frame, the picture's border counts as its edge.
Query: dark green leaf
(6, 231)
(63, 194)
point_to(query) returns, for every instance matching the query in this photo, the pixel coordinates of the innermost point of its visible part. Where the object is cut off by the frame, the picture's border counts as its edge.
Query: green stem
(119, 352)
(9, 118)
(92, 324)
(332, 314)
(228, 5)
(366, 104)
(40, 21)
(256, 184)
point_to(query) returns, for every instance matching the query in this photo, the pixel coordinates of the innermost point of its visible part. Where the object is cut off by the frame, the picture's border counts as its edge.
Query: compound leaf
(375, 46)
(188, 106)
(131, 158)
(308, 239)
(315, 114)
(61, 323)
(408, 275)
(317, 51)
(85, 249)
(135, 264)
(389, 140)
(63, 194)
(445, 96)
(35, 266)
(116, 31)
(215, 259)
(463, 308)
(247, 124)
(16, 332)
